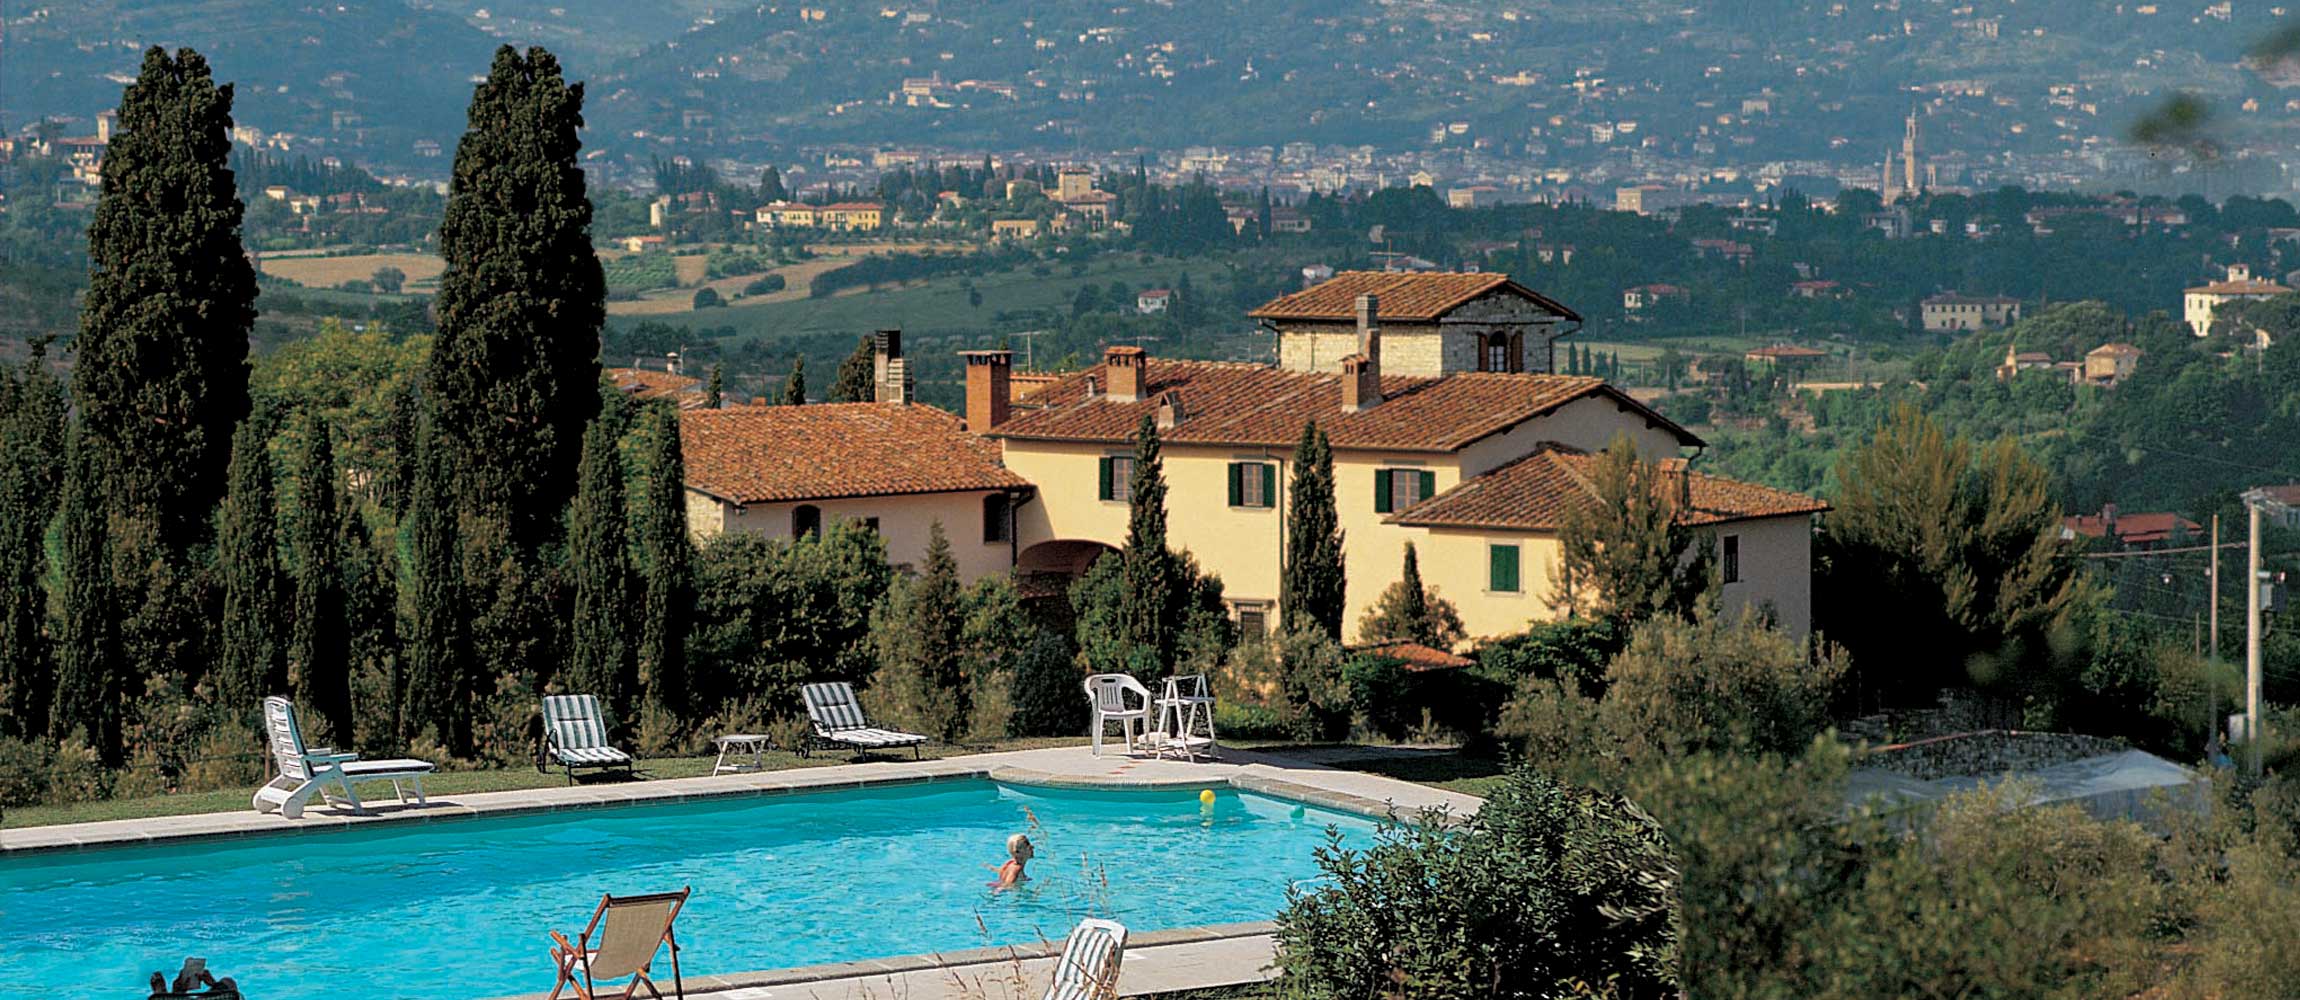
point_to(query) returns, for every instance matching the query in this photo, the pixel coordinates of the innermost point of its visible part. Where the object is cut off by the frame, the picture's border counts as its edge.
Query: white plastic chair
(1107, 693)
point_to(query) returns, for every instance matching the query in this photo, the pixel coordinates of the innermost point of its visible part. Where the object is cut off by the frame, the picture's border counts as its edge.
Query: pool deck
(1156, 961)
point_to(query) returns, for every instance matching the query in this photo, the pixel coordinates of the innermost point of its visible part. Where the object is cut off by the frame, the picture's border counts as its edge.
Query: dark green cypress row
(319, 654)
(514, 371)
(715, 395)
(599, 662)
(32, 431)
(434, 581)
(1148, 570)
(161, 375)
(254, 654)
(857, 377)
(1312, 586)
(795, 387)
(665, 555)
(88, 672)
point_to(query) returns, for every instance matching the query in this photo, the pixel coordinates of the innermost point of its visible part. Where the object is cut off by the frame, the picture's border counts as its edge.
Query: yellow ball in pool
(1206, 797)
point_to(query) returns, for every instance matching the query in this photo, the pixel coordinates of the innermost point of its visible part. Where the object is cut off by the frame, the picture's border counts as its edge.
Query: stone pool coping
(1071, 767)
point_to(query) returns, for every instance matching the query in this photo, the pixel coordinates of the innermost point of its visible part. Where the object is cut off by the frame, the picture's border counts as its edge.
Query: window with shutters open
(1117, 475)
(1501, 569)
(1253, 484)
(1398, 489)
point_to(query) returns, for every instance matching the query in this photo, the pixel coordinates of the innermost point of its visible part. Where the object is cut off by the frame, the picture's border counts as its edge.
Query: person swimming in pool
(1018, 854)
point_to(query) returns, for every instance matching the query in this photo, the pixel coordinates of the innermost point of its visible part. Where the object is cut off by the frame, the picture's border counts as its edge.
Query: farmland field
(328, 272)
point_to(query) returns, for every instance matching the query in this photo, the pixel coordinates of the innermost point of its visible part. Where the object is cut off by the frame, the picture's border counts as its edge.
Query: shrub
(1047, 691)
(1548, 891)
(765, 285)
(1722, 681)
(708, 298)
(75, 772)
(23, 772)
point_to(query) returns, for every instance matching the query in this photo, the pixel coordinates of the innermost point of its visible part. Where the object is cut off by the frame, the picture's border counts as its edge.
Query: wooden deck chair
(622, 939)
(1088, 968)
(308, 771)
(839, 722)
(575, 735)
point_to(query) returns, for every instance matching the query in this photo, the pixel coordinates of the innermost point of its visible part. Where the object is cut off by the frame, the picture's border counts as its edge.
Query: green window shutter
(1381, 491)
(1269, 485)
(1237, 484)
(1105, 463)
(1428, 486)
(1502, 569)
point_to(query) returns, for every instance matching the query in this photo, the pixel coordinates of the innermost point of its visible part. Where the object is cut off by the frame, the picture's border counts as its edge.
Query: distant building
(2109, 364)
(851, 216)
(1013, 229)
(1645, 296)
(1316, 273)
(647, 383)
(2199, 304)
(1073, 182)
(2018, 361)
(1153, 301)
(2150, 530)
(1822, 289)
(1473, 196)
(1785, 356)
(1953, 313)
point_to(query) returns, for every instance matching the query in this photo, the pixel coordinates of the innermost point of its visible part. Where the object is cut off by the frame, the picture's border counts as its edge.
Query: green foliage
(89, 673)
(1409, 611)
(1548, 891)
(513, 375)
(665, 566)
(1046, 689)
(600, 660)
(1291, 685)
(1147, 566)
(1625, 556)
(921, 657)
(707, 297)
(771, 614)
(254, 635)
(795, 387)
(160, 375)
(319, 650)
(856, 379)
(433, 644)
(646, 271)
(767, 284)
(1571, 647)
(32, 435)
(1311, 583)
(1967, 542)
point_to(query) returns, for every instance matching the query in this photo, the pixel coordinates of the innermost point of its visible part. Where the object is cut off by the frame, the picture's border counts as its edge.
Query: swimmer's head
(1019, 846)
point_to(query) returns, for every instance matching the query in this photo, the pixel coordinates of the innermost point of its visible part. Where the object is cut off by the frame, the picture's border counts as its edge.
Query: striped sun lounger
(839, 722)
(575, 735)
(1088, 968)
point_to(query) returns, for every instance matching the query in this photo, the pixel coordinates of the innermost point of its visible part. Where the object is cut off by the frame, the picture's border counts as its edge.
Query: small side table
(737, 746)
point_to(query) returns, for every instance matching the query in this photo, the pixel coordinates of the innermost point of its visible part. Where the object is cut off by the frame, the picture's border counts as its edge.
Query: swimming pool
(460, 908)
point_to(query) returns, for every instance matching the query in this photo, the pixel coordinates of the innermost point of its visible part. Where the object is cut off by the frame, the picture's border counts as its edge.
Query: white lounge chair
(308, 771)
(637, 928)
(575, 735)
(1107, 693)
(839, 722)
(1088, 968)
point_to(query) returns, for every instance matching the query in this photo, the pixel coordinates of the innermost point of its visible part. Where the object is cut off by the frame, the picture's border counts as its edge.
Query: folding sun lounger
(839, 722)
(1088, 968)
(575, 735)
(636, 928)
(308, 771)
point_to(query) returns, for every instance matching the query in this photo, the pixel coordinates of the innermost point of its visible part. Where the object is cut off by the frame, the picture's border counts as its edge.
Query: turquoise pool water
(460, 909)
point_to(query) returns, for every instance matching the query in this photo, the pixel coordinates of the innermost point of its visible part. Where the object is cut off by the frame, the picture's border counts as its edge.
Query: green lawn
(451, 783)
(940, 304)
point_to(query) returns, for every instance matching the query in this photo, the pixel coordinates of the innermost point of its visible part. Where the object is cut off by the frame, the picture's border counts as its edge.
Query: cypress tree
(88, 671)
(319, 653)
(161, 375)
(599, 661)
(716, 395)
(857, 378)
(665, 554)
(254, 660)
(434, 631)
(921, 637)
(32, 432)
(1311, 590)
(1148, 568)
(514, 371)
(795, 387)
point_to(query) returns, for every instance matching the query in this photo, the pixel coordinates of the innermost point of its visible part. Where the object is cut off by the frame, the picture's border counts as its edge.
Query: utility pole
(2212, 664)
(2253, 731)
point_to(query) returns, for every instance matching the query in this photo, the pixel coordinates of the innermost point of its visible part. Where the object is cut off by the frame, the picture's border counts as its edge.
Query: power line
(2159, 552)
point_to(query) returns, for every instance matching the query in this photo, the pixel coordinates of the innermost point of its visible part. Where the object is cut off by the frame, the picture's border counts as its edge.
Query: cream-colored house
(2198, 304)
(895, 466)
(1472, 466)
(1432, 323)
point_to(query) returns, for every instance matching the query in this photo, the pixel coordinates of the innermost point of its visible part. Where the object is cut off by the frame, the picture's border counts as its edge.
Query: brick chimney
(989, 393)
(1124, 365)
(1362, 372)
(890, 374)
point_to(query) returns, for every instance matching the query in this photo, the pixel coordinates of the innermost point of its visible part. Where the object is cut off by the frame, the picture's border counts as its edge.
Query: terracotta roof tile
(1415, 657)
(2247, 286)
(1534, 492)
(1229, 403)
(1416, 297)
(820, 451)
(646, 383)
